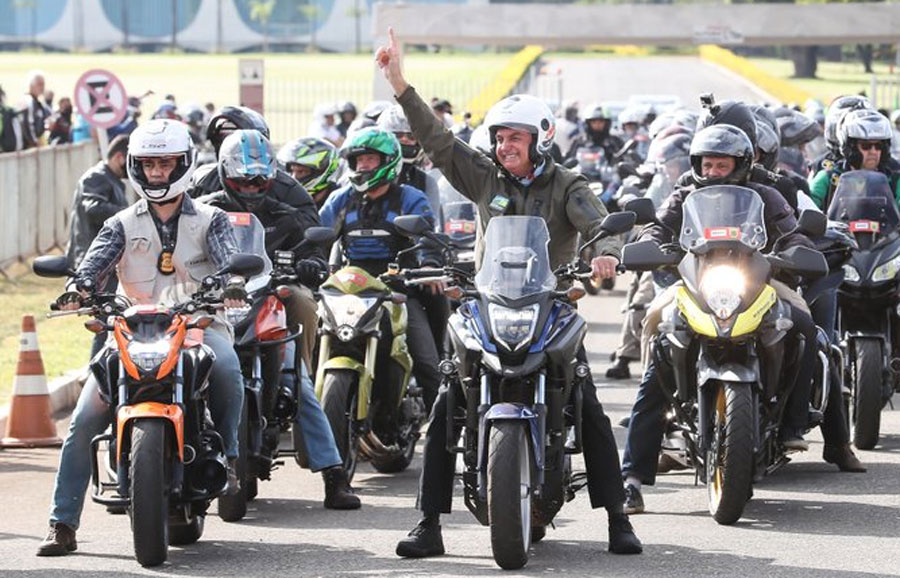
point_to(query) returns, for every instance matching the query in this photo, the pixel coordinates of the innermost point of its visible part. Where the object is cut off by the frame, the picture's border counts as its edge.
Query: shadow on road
(828, 518)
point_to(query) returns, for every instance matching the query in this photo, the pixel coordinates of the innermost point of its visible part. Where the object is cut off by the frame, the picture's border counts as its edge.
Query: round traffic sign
(101, 98)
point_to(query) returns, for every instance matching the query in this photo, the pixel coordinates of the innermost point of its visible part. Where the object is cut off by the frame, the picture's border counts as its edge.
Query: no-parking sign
(101, 98)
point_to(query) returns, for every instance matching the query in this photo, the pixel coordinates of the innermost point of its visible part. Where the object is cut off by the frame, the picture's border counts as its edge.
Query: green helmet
(372, 140)
(314, 153)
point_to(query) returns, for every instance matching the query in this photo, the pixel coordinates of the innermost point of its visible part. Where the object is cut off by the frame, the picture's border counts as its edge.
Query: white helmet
(394, 120)
(864, 125)
(480, 140)
(632, 114)
(161, 138)
(528, 113)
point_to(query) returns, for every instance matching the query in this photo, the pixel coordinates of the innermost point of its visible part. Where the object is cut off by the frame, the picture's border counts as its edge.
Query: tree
(261, 11)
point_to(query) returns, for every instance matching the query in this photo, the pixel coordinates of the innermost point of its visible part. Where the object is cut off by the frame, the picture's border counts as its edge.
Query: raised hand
(390, 60)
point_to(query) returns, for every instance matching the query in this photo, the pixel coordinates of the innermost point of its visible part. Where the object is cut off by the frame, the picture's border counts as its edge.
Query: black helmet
(733, 112)
(722, 140)
(798, 129)
(766, 115)
(767, 143)
(232, 118)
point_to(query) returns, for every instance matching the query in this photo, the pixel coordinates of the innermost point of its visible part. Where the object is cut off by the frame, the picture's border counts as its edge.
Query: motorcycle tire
(729, 459)
(339, 404)
(184, 534)
(149, 476)
(509, 493)
(867, 389)
(234, 508)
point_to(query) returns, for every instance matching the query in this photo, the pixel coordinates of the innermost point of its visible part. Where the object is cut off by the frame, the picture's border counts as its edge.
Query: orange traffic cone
(29, 424)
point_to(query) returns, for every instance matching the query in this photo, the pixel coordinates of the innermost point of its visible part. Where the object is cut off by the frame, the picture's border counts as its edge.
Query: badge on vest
(499, 204)
(165, 264)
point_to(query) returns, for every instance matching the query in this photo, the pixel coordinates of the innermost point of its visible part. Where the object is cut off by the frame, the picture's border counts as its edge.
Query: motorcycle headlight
(347, 309)
(148, 356)
(513, 327)
(851, 274)
(886, 271)
(235, 315)
(723, 286)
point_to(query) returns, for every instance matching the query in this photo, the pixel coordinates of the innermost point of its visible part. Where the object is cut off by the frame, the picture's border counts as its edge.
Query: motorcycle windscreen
(251, 238)
(723, 213)
(459, 221)
(864, 200)
(516, 260)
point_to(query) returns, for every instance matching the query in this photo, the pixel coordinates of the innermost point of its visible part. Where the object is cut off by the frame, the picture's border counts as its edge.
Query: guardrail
(36, 189)
(782, 90)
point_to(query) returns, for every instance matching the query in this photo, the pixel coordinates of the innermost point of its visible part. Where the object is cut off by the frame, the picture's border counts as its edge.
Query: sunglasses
(868, 146)
(258, 181)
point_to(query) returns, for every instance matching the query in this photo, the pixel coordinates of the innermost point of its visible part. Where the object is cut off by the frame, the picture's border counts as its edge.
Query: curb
(64, 392)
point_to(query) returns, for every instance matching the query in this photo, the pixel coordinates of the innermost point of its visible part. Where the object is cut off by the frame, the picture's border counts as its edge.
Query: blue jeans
(91, 418)
(646, 428)
(321, 450)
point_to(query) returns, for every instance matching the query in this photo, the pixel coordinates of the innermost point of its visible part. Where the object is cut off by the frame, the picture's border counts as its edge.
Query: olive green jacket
(562, 197)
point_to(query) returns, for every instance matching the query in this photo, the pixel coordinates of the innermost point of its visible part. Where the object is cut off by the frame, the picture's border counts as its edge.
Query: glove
(309, 272)
(234, 289)
(67, 299)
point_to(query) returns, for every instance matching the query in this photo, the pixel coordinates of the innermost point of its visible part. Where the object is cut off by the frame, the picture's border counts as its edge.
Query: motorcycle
(864, 205)
(721, 350)
(515, 336)
(263, 341)
(380, 424)
(167, 461)
(460, 220)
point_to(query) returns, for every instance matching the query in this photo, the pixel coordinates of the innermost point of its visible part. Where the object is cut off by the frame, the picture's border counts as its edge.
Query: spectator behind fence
(60, 124)
(100, 194)
(10, 129)
(34, 112)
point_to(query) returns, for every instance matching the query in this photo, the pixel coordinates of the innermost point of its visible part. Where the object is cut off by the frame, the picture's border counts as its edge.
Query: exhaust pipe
(211, 473)
(373, 449)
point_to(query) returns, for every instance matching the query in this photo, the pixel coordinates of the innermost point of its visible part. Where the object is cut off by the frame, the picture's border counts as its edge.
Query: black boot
(424, 540)
(619, 370)
(338, 493)
(843, 457)
(59, 542)
(622, 539)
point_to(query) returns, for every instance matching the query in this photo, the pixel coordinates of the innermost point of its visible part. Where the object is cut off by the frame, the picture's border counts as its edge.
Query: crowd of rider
(359, 172)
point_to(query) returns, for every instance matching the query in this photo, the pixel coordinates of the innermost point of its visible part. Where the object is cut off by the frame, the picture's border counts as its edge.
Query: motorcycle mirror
(244, 264)
(646, 256)
(643, 209)
(320, 235)
(52, 266)
(618, 223)
(812, 223)
(803, 261)
(412, 225)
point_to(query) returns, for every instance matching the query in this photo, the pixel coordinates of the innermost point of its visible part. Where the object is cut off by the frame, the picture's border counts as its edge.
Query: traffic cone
(29, 424)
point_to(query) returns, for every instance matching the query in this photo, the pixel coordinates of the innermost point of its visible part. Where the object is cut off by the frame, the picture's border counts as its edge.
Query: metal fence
(884, 91)
(36, 189)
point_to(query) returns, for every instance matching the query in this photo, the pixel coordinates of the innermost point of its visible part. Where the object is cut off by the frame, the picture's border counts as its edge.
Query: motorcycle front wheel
(149, 474)
(867, 387)
(729, 458)
(509, 493)
(339, 401)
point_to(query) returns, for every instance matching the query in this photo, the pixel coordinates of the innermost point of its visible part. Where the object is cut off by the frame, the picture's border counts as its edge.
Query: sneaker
(634, 501)
(619, 369)
(622, 539)
(59, 541)
(843, 457)
(423, 541)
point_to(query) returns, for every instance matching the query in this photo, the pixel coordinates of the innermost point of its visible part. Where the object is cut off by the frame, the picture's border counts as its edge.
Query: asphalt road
(806, 520)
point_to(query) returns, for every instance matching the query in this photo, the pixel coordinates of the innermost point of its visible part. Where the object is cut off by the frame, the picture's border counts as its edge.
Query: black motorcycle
(515, 338)
(868, 300)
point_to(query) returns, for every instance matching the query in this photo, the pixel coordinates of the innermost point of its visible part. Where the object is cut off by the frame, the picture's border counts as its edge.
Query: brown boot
(843, 457)
(59, 542)
(338, 493)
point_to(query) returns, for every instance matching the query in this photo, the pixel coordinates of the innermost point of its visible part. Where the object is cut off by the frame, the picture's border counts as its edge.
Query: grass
(65, 343)
(834, 78)
(295, 83)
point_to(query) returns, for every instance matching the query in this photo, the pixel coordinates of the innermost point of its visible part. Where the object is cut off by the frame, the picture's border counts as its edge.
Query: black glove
(309, 272)
(234, 289)
(67, 298)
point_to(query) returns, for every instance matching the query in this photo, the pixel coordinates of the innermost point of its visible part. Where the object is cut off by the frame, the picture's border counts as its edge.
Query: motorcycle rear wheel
(509, 494)
(149, 476)
(867, 388)
(729, 459)
(339, 399)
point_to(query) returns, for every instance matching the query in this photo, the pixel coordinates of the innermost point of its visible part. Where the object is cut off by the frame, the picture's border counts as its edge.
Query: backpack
(8, 139)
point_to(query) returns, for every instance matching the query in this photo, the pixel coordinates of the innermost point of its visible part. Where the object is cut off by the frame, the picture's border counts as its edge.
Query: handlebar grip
(54, 306)
(422, 273)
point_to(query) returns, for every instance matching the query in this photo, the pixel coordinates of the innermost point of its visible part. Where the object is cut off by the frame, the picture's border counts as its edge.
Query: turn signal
(454, 292)
(575, 293)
